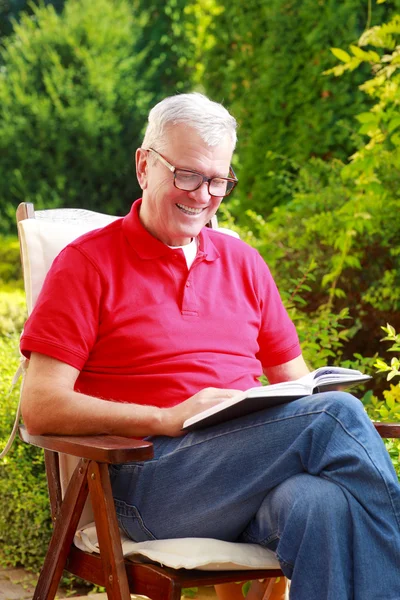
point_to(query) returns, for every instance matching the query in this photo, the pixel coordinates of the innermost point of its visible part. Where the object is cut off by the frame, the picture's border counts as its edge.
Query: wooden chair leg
(154, 582)
(269, 589)
(64, 530)
(116, 581)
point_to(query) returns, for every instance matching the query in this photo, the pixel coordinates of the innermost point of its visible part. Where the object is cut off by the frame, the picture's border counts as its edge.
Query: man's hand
(173, 418)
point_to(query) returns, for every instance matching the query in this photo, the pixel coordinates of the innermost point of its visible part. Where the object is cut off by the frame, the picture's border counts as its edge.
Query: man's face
(175, 216)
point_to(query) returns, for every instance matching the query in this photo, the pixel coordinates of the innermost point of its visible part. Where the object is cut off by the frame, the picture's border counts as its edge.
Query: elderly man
(150, 320)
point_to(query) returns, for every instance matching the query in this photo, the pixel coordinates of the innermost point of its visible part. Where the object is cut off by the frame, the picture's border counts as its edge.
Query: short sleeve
(278, 340)
(64, 322)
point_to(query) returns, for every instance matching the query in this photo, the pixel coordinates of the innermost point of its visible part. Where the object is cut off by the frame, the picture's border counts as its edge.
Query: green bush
(352, 239)
(386, 407)
(343, 219)
(71, 108)
(10, 11)
(24, 508)
(266, 64)
(75, 91)
(25, 523)
(10, 264)
(12, 312)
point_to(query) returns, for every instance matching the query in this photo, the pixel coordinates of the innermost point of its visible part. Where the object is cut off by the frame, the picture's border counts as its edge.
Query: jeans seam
(126, 511)
(252, 540)
(284, 562)
(372, 461)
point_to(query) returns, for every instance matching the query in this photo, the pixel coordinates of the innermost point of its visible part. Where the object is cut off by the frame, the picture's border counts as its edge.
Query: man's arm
(293, 369)
(50, 405)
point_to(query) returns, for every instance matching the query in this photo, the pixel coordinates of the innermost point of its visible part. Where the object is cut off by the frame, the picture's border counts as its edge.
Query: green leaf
(390, 329)
(395, 139)
(367, 117)
(393, 374)
(374, 56)
(246, 588)
(383, 412)
(359, 53)
(341, 55)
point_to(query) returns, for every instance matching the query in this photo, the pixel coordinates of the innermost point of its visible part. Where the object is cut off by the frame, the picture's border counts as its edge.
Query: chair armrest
(388, 430)
(109, 449)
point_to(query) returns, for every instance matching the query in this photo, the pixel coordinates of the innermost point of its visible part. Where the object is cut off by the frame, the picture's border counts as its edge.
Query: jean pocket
(131, 522)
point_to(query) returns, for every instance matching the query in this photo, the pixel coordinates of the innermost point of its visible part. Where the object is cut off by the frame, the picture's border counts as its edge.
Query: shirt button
(188, 284)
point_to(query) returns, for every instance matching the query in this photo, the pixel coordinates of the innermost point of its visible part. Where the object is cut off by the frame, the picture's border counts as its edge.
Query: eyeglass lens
(188, 182)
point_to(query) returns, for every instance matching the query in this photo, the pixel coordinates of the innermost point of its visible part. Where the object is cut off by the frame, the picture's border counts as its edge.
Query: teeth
(189, 209)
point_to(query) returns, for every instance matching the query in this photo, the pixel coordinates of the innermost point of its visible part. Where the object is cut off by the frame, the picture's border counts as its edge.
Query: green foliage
(75, 90)
(352, 240)
(10, 264)
(12, 312)
(10, 11)
(69, 108)
(343, 220)
(166, 42)
(24, 510)
(387, 409)
(190, 592)
(266, 64)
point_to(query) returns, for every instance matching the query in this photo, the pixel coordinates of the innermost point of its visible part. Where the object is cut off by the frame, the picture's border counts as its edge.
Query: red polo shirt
(122, 307)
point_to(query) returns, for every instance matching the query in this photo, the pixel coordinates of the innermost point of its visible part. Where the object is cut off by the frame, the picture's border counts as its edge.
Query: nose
(201, 195)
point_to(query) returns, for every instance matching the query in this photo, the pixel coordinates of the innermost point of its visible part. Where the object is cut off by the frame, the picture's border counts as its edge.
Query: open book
(321, 380)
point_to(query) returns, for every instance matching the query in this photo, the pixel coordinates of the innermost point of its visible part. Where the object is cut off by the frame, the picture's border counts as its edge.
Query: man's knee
(342, 405)
(305, 498)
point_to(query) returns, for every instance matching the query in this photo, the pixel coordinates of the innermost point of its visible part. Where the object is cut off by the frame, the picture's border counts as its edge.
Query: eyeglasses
(189, 181)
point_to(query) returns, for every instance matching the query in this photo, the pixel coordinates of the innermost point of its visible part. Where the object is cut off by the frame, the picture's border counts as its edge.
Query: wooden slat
(144, 578)
(25, 210)
(388, 430)
(86, 566)
(53, 482)
(116, 582)
(63, 534)
(191, 578)
(101, 448)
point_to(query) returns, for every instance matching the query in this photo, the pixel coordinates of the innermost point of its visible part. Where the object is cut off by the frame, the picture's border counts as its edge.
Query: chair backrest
(43, 234)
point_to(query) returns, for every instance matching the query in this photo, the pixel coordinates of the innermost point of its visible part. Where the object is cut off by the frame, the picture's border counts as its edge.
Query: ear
(141, 158)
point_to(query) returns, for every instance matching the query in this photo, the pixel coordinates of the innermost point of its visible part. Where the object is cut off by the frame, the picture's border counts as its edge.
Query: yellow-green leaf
(395, 139)
(393, 124)
(367, 117)
(374, 56)
(359, 53)
(341, 54)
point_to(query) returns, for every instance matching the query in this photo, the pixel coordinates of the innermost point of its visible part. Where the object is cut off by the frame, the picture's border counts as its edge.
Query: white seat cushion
(187, 553)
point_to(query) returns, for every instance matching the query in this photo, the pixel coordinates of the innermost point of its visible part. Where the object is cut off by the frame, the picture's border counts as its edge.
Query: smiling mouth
(188, 210)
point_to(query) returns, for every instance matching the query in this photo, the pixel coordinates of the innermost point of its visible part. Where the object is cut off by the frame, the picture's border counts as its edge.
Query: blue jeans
(310, 479)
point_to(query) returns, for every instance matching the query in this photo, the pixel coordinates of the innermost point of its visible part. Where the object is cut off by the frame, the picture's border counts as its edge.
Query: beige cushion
(188, 553)
(41, 241)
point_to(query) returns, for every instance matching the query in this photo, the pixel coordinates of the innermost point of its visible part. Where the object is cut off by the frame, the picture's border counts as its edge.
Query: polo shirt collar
(147, 246)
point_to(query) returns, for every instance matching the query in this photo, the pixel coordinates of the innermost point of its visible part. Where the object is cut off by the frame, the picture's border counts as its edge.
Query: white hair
(211, 120)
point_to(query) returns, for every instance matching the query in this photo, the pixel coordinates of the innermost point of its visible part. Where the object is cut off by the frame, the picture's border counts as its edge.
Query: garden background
(314, 86)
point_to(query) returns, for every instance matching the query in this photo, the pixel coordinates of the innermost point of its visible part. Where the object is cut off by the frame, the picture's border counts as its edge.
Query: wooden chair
(90, 478)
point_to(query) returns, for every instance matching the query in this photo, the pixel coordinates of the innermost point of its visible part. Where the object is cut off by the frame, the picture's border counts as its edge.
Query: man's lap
(211, 483)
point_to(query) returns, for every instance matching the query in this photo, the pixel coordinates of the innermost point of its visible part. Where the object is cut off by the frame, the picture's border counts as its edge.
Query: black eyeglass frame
(233, 180)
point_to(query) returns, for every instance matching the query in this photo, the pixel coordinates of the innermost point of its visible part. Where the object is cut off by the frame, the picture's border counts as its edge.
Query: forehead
(185, 148)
